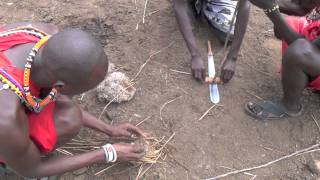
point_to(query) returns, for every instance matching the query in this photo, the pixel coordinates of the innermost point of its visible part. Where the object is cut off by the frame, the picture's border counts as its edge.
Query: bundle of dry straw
(155, 150)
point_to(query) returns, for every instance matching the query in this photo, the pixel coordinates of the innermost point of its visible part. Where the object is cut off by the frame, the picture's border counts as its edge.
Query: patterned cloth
(314, 15)
(219, 13)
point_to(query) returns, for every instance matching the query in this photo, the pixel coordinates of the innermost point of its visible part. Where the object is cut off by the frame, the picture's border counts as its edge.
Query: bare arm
(22, 155)
(240, 28)
(181, 10)
(282, 29)
(291, 7)
(229, 65)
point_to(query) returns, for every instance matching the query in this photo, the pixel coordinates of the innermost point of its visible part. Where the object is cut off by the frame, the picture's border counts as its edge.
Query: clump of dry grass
(155, 151)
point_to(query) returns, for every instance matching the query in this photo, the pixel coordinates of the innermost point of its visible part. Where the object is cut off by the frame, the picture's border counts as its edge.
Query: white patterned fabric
(219, 13)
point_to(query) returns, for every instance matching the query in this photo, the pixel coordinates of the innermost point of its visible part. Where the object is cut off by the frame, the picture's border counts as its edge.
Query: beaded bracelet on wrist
(273, 9)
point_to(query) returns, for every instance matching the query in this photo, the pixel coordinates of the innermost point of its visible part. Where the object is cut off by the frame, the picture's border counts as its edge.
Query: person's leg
(68, 120)
(301, 64)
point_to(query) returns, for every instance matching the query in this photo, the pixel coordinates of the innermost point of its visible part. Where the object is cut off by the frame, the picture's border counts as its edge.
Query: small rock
(116, 87)
(80, 171)
(314, 166)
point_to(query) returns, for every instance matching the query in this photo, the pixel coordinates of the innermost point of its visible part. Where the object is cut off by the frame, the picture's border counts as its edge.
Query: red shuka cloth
(41, 126)
(310, 30)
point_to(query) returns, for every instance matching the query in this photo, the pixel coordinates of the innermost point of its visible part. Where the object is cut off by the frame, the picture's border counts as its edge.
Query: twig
(297, 153)
(250, 93)
(144, 11)
(117, 96)
(143, 121)
(180, 72)
(105, 169)
(314, 119)
(164, 105)
(249, 174)
(149, 59)
(163, 146)
(204, 115)
(65, 152)
(150, 14)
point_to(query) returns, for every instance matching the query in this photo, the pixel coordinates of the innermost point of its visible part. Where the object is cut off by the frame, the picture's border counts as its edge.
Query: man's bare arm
(282, 29)
(22, 155)
(291, 7)
(181, 10)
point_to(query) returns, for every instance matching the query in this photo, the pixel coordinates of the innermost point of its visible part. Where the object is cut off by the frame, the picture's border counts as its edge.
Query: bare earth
(226, 137)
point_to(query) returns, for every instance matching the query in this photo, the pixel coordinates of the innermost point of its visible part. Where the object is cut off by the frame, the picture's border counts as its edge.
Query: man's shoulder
(10, 107)
(48, 28)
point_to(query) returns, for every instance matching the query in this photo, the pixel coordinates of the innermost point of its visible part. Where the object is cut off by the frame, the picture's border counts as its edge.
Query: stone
(116, 87)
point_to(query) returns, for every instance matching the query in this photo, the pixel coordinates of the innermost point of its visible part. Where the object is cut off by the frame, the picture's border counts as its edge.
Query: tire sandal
(266, 110)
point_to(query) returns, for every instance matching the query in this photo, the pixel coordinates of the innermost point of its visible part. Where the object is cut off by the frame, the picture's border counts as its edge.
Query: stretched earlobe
(58, 85)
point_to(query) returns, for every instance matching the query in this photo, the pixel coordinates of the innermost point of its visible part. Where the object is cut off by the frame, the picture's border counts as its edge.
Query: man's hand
(227, 70)
(127, 130)
(129, 152)
(198, 69)
(263, 4)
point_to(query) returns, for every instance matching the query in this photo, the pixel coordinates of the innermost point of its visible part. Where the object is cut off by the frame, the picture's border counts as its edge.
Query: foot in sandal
(266, 110)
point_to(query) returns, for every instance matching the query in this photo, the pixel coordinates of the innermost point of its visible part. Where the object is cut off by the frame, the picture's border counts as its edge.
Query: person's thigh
(68, 120)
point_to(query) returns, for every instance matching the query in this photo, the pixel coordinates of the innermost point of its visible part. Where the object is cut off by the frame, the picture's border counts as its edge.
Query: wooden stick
(164, 105)
(204, 115)
(180, 72)
(64, 152)
(105, 169)
(149, 59)
(143, 121)
(249, 174)
(144, 11)
(254, 95)
(297, 153)
(314, 119)
(209, 49)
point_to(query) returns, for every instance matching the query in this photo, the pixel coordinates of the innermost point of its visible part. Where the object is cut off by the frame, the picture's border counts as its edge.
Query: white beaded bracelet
(110, 153)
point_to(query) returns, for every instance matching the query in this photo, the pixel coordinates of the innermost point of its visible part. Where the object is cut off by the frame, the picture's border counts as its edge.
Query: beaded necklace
(33, 103)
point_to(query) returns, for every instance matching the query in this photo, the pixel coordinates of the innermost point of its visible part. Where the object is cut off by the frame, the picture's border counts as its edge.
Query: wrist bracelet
(110, 153)
(273, 9)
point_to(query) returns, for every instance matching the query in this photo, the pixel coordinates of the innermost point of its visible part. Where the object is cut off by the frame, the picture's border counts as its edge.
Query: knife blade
(213, 88)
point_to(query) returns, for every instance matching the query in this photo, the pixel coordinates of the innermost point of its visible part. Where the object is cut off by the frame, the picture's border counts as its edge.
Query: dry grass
(155, 149)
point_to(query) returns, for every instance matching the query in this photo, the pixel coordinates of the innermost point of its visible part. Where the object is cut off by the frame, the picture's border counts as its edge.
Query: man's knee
(297, 53)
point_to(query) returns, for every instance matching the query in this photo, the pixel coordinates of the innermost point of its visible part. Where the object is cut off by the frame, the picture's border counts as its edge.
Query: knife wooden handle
(209, 49)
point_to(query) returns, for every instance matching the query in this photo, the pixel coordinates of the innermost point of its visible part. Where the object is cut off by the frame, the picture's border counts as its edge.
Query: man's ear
(59, 84)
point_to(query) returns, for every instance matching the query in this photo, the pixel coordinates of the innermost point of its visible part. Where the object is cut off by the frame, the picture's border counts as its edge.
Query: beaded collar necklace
(31, 102)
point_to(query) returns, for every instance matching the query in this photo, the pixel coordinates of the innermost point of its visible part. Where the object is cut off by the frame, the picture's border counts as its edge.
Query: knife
(213, 88)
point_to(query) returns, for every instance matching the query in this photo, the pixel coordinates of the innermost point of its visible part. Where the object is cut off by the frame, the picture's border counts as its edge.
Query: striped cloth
(219, 13)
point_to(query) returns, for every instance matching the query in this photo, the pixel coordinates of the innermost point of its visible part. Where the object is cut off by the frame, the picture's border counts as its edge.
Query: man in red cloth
(71, 62)
(301, 55)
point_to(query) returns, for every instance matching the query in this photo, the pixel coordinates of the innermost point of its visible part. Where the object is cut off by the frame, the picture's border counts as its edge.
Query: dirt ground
(227, 137)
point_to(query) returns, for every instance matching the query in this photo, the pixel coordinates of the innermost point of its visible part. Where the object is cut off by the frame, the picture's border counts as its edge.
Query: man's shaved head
(75, 60)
